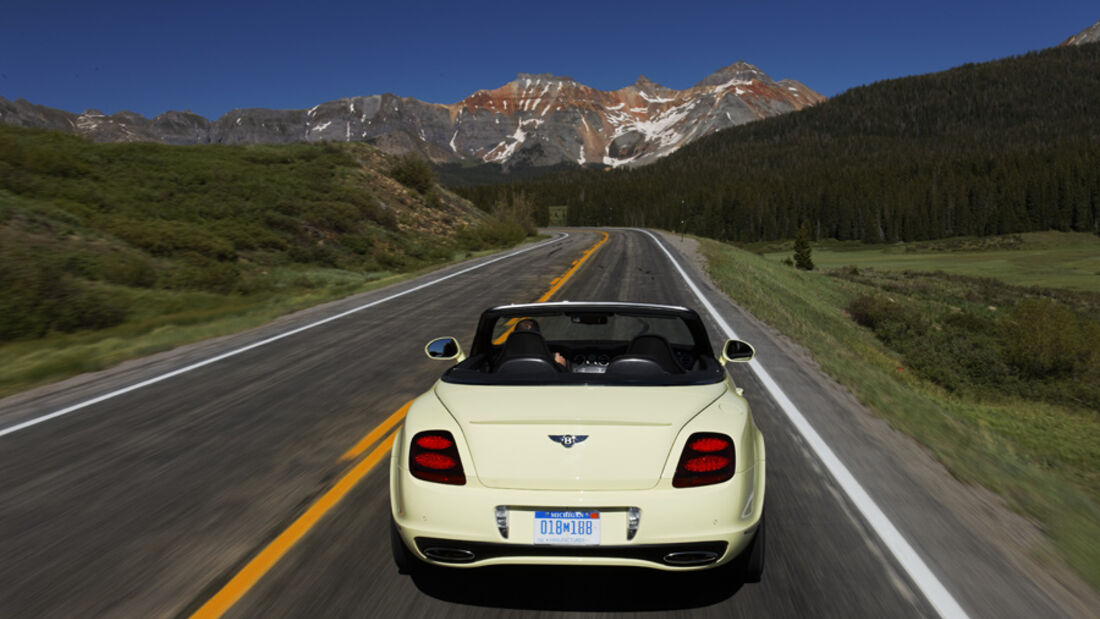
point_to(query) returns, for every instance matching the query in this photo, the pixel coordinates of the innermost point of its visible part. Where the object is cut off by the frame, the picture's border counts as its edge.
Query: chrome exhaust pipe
(449, 555)
(691, 557)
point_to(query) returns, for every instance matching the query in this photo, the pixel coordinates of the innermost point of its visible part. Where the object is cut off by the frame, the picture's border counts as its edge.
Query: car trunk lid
(531, 437)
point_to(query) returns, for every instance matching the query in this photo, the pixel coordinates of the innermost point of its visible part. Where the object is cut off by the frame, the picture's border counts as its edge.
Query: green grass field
(1033, 444)
(1053, 259)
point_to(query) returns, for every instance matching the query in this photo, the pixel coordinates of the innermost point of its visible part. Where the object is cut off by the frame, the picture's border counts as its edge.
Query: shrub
(197, 272)
(432, 198)
(873, 311)
(517, 209)
(314, 254)
(248, 235)
(37, 297)
(20, 315)
(486, 235)
(959, 358)
(87, 309)
(1044, 339)
(414, 172)
(333, 216)
(161, 237)
(281, 221)
(359, 244)
(128, 270)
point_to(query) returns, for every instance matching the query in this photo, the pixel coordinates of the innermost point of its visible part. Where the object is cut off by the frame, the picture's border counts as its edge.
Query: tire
(403, 558)
(750, 562)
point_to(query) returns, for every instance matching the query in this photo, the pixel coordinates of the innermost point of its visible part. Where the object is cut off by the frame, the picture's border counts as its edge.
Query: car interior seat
(656, 348)
(526, 353)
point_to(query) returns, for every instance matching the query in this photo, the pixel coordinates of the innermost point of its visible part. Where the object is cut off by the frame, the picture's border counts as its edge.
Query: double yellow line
(251, 573)
(556, 284)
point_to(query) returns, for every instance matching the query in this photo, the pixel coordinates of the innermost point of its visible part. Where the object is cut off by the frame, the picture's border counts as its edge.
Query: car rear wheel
(750, 562)
(403, 558)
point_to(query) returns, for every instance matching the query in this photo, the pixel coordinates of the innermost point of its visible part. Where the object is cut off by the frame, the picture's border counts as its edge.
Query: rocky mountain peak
(544, 78)
(1088, 35)
(739, 71)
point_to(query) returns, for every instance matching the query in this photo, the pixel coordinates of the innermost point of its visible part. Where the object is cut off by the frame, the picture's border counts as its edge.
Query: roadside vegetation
(1000, 382)
(1051, 259)
(111, 251)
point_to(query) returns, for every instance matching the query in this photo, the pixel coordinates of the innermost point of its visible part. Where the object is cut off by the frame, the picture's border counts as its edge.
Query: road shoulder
(993, 553)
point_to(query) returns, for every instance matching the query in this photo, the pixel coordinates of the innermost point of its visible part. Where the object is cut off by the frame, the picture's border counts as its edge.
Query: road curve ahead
(249, 479)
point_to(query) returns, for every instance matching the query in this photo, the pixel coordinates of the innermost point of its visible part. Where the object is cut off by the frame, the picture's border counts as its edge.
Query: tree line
(1000, 147)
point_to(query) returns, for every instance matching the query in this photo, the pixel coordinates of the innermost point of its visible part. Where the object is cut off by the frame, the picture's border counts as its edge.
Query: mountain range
(534, 120)
(1000, 147)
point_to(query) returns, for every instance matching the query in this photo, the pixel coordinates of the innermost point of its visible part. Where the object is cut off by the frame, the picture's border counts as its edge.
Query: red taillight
(707, 459)
(437, 462)
(708, 444)
(433, 441)
(706, 464)
(433, 456)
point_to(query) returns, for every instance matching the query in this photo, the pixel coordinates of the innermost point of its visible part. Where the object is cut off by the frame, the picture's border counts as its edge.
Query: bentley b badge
(568, 440)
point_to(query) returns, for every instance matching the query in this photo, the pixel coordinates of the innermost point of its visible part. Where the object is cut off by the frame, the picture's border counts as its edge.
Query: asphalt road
(145, 504)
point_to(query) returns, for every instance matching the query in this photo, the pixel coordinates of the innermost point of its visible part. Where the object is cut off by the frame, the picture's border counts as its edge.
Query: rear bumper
(457, 552)
(710, 525)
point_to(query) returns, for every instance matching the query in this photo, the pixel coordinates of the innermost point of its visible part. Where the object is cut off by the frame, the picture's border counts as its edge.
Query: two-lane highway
(153, 501)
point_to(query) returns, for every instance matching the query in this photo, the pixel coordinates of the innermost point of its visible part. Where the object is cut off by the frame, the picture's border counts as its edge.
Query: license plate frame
(567, 527)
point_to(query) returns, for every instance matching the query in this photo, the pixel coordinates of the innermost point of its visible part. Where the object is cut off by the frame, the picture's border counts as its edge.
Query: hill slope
(1006, 146)
(106, 241)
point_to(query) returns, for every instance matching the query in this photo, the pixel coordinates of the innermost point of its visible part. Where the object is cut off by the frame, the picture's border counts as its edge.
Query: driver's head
(527, 324)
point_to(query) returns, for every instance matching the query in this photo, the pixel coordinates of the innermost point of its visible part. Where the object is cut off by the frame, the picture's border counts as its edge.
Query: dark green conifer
(802, 258)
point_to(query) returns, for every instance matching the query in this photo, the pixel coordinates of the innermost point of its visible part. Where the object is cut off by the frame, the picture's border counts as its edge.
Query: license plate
(567, 528)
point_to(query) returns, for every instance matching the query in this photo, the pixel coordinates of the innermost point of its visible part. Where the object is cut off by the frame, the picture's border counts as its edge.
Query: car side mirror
(444, 349)
(737, 351)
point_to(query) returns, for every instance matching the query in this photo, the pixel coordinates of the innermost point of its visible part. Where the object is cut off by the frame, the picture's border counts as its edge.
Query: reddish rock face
(557, 119)
(533, 120)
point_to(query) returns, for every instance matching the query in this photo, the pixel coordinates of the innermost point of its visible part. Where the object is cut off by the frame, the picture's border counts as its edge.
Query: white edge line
(194, 366)
(930, 586)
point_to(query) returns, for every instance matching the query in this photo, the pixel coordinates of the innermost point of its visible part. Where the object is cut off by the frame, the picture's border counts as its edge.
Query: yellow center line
(251, 573)
(376, 433)
(576, 265)
(556, 285)
(270, 555)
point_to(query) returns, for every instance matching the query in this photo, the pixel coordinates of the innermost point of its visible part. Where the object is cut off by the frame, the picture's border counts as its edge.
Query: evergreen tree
(995, 148)
(802, 251)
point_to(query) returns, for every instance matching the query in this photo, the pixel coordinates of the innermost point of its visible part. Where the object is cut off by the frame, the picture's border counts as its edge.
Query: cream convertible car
(581, 434)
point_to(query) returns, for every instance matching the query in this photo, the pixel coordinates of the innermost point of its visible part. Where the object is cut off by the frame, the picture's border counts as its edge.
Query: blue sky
(210, 57)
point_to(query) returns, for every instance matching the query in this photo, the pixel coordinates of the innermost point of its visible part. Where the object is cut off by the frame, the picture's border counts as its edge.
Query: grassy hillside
(995, 148)
(999, 382)
(113, 250)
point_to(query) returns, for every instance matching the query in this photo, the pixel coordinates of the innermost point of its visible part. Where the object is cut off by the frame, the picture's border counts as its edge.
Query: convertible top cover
(589, 344)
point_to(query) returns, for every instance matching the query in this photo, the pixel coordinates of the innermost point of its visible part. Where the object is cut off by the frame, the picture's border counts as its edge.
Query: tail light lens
(708, 458)
(434, 457)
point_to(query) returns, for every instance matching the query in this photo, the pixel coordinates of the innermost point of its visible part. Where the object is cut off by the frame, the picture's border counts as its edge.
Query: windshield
(614, 344)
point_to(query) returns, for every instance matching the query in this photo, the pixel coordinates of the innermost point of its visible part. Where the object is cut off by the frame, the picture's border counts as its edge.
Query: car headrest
(525, 344)
(635, 367)
(655, 347)
(527, 368)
